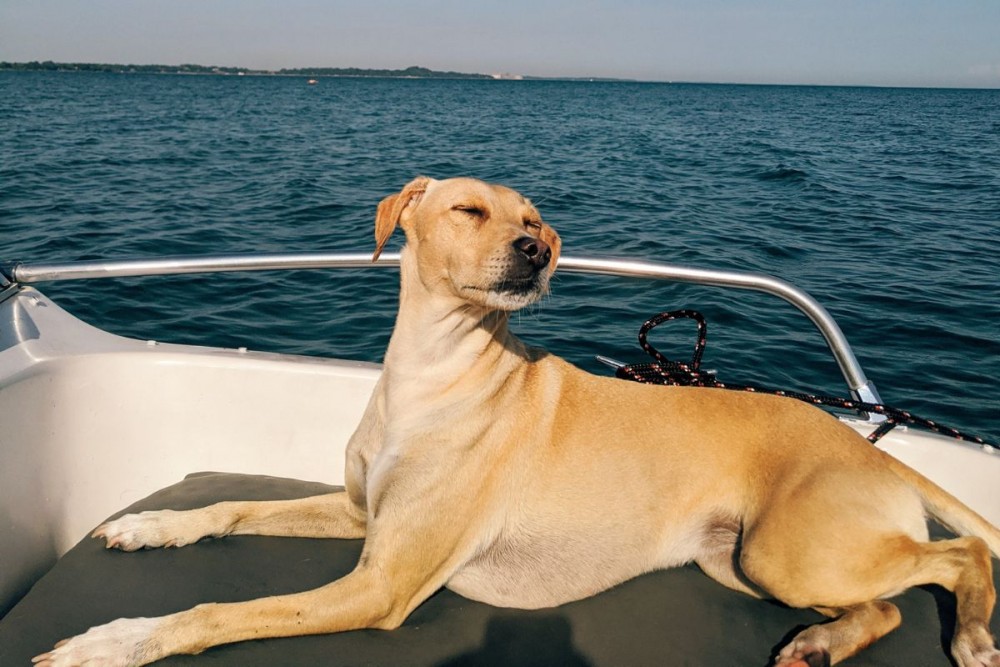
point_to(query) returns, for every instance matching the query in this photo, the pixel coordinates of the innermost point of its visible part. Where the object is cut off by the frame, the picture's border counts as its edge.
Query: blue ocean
(883, 204)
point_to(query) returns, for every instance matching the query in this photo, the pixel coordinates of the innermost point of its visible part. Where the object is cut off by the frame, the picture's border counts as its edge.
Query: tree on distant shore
(409, 72)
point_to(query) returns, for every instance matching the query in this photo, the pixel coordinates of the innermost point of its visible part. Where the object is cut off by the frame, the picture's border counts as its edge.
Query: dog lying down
(513, 478)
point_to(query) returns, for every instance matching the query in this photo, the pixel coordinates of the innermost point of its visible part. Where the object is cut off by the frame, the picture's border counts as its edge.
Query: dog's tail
(948, 510)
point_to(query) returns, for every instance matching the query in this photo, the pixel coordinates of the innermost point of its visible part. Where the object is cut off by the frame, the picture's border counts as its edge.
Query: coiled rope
(668, 372)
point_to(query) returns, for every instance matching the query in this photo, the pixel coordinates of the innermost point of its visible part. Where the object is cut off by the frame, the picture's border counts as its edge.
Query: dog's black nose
(537, 251)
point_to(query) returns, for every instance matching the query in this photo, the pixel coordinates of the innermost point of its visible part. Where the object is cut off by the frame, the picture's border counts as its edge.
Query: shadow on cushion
(675, 617)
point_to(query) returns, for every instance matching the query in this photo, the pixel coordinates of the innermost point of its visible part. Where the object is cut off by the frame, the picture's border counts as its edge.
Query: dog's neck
(441, 342)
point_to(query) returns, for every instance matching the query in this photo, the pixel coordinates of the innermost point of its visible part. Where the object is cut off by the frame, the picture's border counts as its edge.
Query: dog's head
(483, 243)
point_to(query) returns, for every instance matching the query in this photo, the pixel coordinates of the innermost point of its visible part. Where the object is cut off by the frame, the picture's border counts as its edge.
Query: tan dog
(513, 478)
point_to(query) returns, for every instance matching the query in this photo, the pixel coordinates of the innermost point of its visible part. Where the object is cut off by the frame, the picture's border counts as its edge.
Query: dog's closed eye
(472, 210)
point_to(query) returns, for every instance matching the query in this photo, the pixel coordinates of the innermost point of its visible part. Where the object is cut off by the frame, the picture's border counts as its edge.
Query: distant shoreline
(115, 68)
(414, 72)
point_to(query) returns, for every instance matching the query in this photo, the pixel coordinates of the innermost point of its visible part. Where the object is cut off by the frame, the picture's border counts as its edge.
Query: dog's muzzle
(522, 276)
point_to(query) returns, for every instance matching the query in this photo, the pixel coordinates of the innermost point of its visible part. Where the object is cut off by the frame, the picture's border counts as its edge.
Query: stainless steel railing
(861, 388)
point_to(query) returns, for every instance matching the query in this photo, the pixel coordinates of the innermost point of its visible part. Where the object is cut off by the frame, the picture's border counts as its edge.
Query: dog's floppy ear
(549, 235)
(391, 209)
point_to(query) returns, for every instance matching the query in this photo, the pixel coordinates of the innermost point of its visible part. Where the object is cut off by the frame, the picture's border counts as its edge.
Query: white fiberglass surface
(112, 428)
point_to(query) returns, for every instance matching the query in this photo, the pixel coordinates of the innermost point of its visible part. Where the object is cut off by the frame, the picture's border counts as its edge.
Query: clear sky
(862, 42)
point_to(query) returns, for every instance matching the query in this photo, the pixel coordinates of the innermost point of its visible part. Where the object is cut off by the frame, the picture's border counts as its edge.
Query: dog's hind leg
(328, 515)
(853, 629)
(843, 537)
(963, 566)
(854, 574)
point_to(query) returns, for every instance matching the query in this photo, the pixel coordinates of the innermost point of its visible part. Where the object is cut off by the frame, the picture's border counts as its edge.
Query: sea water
(883, 204)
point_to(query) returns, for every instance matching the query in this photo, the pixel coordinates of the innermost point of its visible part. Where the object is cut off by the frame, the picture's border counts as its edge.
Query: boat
(92, 423)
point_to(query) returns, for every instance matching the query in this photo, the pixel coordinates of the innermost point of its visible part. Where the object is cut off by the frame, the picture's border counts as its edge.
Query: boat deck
(673, 617)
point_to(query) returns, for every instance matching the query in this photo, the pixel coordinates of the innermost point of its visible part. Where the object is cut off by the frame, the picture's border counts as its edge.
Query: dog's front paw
(126, 642)
(161, 528)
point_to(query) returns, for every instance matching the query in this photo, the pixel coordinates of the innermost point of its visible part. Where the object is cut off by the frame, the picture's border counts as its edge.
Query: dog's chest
(408, 465)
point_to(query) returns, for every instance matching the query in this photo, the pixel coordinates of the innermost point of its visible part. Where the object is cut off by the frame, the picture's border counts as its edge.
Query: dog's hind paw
(991, 659)
(162, 528)
(975, 649)
(802, 654)
(985, 658)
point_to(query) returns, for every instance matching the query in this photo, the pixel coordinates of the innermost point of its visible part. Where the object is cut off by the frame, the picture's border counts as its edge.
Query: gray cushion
(677, 617)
